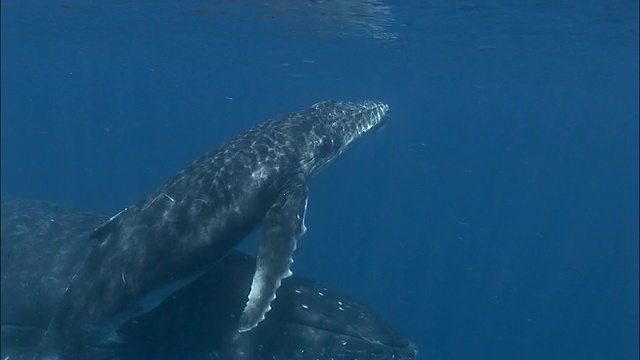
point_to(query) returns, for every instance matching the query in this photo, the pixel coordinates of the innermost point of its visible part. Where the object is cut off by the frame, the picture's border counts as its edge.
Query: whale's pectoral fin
(283, 226)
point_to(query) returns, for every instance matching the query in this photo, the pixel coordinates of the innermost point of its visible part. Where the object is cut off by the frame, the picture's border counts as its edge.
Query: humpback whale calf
(44, 243)
(151, 249)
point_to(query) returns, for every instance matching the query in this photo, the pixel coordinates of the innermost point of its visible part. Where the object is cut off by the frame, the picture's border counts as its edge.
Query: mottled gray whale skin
(42, 241)
(155, 247)
(43, 245)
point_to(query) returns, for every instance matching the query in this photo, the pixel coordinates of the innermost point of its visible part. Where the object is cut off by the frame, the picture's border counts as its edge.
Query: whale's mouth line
(378, 126)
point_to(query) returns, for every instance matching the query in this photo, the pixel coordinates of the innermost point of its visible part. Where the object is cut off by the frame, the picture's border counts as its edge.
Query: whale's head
(336, 125)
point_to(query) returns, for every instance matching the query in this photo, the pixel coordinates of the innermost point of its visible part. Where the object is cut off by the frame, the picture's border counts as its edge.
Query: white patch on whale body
(254, 294)
(260, 174)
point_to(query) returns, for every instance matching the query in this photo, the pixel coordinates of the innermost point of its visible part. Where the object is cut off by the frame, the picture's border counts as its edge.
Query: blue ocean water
(494, 217)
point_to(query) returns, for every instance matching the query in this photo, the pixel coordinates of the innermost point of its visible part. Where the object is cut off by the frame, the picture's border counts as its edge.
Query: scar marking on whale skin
(156, 198)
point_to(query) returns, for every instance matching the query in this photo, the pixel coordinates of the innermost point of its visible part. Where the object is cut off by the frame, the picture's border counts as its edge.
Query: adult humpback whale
(44, 243)
(155, 247)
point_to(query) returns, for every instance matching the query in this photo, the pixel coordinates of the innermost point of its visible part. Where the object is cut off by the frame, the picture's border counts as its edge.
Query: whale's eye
(325, 148)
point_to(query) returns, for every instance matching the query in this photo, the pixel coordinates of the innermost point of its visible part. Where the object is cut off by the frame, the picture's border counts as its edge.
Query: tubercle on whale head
(350, 120)
(340, 123)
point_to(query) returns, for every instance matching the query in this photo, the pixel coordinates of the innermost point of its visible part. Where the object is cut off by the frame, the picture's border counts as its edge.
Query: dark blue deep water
(494, 217)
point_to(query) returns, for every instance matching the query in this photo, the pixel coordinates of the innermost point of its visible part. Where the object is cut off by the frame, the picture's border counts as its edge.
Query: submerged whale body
(152, 249)
(43, 244)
